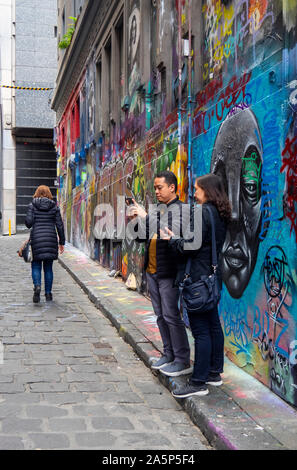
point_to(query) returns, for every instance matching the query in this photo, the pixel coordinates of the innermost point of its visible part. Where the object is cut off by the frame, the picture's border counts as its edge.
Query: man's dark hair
(169, 177)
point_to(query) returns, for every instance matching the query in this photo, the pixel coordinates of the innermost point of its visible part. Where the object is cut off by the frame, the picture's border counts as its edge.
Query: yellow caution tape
(25, 88)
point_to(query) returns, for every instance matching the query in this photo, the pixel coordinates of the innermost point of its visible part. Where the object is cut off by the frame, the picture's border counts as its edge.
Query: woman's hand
(166, 234)
(61, 249)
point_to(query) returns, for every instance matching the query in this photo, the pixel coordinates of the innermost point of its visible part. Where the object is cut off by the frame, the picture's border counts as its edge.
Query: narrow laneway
(68, 381)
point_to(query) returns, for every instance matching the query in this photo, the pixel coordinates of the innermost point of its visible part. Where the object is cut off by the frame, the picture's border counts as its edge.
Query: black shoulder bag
(203, 295)
(25, 251)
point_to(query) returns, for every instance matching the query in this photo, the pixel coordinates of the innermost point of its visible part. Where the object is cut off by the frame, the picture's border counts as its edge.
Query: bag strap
(213, 241)
(33, 213)
(213, 247)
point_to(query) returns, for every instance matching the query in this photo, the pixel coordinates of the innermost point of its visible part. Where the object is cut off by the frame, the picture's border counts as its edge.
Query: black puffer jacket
(202, 258)
(45, 219)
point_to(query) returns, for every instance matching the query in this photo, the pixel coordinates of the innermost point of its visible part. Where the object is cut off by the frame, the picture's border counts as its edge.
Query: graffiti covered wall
(243, 127)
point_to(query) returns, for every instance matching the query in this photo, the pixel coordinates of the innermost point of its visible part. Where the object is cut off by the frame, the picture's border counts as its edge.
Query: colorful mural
(243, 127)
(245, 124)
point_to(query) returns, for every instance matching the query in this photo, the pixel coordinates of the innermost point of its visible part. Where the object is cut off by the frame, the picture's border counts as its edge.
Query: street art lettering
(229, 97)
(274, 270)
(289, 166)
(235, 327)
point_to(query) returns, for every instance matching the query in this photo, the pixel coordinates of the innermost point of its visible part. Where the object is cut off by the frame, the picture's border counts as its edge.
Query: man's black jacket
(167, 259)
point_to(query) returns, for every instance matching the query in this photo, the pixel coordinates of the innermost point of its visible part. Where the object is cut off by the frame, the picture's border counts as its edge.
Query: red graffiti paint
(289, 165)
(209, 92)
(233, 94)
(229, 97)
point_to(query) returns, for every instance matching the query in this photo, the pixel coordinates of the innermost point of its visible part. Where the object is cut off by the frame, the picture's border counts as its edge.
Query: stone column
(8, 147)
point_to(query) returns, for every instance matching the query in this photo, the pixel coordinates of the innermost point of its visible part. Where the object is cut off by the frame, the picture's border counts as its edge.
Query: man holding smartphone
(160, 265)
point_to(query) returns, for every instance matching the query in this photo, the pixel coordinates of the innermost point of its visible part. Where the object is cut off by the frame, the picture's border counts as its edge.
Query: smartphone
(129, 201)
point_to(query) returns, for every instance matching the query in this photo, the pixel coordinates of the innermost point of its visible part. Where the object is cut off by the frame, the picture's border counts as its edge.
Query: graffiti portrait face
(237, 158)
(134, 33)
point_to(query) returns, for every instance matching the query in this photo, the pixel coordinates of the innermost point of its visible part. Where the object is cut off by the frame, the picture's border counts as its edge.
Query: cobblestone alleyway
(69, 381)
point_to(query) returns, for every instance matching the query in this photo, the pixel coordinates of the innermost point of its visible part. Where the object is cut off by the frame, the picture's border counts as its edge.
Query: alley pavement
(243, 414)
(68, 380)
(76, 372)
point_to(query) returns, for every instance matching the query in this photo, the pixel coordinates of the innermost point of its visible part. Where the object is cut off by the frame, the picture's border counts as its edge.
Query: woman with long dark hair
(44, 217)
(206, 327)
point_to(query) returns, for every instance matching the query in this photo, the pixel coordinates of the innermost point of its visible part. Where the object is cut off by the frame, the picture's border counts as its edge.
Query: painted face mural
(237, 158)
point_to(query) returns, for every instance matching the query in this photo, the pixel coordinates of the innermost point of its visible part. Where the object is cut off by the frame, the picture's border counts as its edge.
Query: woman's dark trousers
(209, 344)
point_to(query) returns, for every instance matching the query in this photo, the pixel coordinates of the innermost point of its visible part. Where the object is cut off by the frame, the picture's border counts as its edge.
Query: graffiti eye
(251, 188)
(251, 176)
(251, 191)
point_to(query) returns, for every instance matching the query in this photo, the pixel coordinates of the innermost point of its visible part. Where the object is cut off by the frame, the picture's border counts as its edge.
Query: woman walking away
(44, 217)
(206, 327)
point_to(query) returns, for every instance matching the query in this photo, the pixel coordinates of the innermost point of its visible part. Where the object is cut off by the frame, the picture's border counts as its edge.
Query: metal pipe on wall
(179, 84)
(190, 182)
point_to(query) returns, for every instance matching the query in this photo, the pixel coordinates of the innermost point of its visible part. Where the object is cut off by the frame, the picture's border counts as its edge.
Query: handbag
(202, 295)
(25, 251)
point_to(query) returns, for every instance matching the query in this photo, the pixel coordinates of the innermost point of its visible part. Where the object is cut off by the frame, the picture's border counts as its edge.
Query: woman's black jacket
(202, 258)
(44, 217)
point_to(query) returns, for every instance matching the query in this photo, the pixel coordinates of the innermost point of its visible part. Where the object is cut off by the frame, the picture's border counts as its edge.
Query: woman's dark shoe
(48, 297)
(214, 379)
(190, 390)
(36, 295)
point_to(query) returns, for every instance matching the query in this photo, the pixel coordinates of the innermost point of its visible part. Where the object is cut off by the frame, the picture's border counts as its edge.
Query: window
(106, 88)
(63, 146)
(120, 70)
(63, 23)
(158, 92)
(98, 118)
(73, 136)
(77, 119)
(77, 7)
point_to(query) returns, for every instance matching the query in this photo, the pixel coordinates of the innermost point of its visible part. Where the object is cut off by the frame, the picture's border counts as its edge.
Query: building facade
(28, 42)
(195, 87)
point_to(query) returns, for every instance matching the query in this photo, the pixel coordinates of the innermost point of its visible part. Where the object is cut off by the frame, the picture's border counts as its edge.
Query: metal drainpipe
(190, 182)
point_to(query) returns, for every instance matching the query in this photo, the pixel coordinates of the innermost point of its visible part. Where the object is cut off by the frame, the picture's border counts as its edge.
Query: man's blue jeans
(48, 274)
(209, 344)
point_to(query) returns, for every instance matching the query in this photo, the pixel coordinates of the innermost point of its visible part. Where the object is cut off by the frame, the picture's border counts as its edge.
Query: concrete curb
(223, 422)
